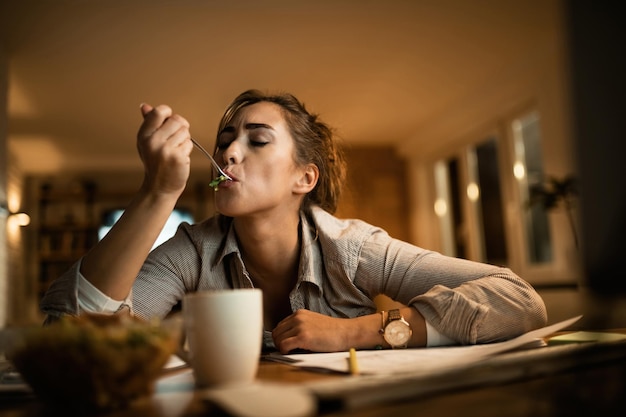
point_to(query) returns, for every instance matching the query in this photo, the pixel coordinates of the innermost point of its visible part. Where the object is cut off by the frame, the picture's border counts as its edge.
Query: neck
(270, 249)
(270, 246)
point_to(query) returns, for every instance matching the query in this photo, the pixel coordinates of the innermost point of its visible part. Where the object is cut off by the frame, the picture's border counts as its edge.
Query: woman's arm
(316, 332)
(164, 145)
(469, 302)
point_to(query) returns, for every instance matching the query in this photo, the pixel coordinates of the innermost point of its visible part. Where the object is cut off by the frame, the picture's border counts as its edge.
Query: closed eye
(258, 133)
(225, 138)
(223, 145)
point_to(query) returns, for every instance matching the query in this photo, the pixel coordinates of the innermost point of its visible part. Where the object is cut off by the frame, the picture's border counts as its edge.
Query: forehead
(263, 112)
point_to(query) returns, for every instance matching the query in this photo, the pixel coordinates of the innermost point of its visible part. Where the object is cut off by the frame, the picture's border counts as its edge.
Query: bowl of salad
(94, 361)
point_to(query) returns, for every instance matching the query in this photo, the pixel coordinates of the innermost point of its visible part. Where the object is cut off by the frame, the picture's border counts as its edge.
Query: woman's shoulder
(213, 228)
(335, 227)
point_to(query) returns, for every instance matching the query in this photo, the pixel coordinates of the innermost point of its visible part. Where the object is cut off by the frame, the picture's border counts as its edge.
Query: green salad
(216, 181)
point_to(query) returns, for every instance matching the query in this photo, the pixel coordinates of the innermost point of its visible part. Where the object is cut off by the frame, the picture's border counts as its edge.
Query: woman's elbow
(536, 312)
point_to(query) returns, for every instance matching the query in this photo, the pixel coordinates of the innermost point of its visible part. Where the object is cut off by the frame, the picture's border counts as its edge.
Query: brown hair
(314, 143)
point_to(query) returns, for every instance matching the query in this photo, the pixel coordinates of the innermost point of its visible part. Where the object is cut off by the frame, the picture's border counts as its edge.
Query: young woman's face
(257, 151)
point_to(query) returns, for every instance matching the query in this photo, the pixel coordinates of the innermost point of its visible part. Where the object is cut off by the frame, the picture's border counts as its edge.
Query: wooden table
(589, 381)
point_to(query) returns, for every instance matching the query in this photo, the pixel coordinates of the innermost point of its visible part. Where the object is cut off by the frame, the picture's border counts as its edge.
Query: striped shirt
(344, 265)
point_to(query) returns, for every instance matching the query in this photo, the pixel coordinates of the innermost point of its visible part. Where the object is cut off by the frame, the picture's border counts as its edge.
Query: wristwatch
(397, 330)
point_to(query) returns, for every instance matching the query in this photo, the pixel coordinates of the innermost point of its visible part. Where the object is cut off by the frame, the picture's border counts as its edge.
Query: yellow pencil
(352, 362)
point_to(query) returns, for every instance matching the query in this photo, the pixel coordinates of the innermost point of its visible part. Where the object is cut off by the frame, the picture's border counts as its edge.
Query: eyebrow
(249, 126)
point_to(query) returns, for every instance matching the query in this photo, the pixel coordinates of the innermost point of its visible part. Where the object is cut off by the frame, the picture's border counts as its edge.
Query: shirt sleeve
(93, 300)
(62, 295)
(468, 302)
(434, 338)
(72, 293)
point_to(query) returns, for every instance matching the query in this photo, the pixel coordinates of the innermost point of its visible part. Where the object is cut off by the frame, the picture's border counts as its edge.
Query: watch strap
(382, 322)
(393, 315)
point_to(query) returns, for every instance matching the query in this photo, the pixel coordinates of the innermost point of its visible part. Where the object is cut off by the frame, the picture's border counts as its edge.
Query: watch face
(397, 333)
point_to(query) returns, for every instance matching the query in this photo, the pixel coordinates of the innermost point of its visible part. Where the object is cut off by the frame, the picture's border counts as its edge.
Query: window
(469, 204)
(176, 218)
(488, 199)
(528, 171)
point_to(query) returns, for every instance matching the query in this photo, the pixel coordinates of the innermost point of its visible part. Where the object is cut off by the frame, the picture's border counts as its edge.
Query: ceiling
(375, 70)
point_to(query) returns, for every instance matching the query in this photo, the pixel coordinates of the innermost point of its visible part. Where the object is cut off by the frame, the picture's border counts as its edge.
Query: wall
(21, 307)
(598, 64)
(3, 190)
(376, 189)
(15, 306)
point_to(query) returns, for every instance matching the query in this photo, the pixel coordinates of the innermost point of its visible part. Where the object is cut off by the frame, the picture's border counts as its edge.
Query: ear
(309, 175)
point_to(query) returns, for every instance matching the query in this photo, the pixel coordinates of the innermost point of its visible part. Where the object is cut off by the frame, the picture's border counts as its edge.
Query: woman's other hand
(312, 331)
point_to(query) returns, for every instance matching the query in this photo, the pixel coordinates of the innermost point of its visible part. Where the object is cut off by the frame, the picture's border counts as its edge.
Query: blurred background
(483, 129)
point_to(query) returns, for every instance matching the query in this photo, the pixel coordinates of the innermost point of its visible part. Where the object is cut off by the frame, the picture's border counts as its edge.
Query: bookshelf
(67, 226)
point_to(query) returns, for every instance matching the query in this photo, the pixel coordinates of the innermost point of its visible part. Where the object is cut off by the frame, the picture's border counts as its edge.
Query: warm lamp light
(441, 208)
(519, 171)
(473, 192)
(17, 219)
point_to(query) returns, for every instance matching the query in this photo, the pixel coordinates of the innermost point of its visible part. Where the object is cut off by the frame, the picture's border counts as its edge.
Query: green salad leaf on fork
(216, 181)
(222, 175)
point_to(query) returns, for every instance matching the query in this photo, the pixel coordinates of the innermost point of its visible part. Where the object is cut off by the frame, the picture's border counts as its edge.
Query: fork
(208, 155)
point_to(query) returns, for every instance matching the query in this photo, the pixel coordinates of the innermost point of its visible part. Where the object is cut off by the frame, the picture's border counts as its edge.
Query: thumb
(145, 109)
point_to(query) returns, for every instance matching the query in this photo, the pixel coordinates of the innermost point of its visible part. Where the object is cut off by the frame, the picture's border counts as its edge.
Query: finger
(173, 132)
(285, 325)
(287, 345)
(145, 109)
(158, 114)
(289, 334)
(175, 122)
(154, 119)
(179, 143)
(286, 342)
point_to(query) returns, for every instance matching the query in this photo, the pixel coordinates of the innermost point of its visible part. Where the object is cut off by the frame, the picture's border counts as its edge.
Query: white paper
(417, 361)
(174, 362)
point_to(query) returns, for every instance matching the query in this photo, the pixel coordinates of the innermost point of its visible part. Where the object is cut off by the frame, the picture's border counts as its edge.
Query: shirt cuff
(434, 338)
(93, 300)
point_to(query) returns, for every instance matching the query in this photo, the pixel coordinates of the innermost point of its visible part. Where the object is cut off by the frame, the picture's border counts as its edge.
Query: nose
(232, 154)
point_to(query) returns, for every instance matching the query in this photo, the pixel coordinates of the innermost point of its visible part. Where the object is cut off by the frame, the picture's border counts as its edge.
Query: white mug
(224, 330)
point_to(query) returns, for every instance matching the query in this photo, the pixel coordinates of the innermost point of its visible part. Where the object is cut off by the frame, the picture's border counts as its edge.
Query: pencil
(352, 362)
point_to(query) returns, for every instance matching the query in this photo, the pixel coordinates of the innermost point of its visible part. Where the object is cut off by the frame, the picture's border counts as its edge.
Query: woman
(275, 231)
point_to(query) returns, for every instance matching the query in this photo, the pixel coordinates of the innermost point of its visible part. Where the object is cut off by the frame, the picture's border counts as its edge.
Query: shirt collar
(230, 241)
(311, 265)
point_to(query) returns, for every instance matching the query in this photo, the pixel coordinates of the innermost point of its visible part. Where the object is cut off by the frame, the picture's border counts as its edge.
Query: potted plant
(553, 192)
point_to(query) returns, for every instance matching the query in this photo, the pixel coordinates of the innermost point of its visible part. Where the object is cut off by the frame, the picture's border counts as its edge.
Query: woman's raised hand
(164, 145)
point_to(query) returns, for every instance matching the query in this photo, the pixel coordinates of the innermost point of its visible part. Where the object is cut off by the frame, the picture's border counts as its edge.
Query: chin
(228, 210)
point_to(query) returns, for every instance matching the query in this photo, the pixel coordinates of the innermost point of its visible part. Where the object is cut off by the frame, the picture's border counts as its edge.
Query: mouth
(227, 172)
(221, 180)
